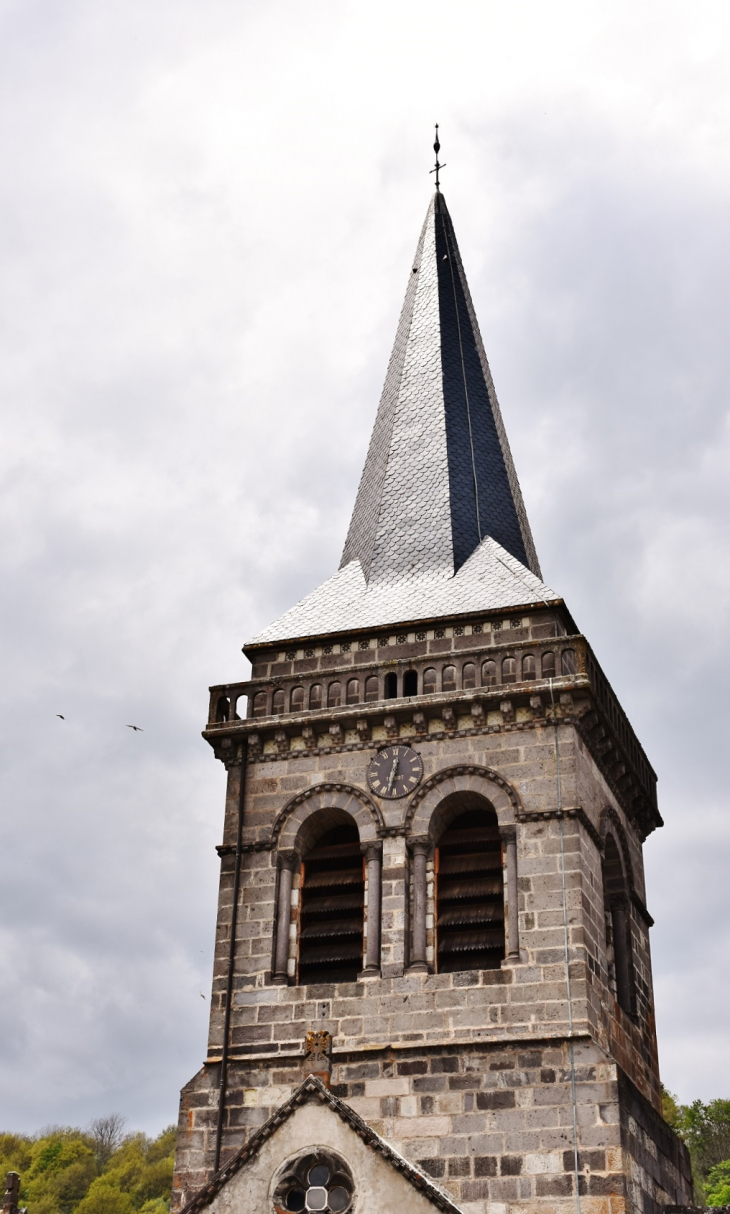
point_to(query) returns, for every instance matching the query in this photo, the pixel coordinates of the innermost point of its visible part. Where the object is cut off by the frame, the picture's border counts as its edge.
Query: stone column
(512, 926)
(373, 853)
(287, 863)
(420, 849)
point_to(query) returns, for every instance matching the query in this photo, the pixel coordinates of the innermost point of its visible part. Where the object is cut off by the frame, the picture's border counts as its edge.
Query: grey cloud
(205, 245)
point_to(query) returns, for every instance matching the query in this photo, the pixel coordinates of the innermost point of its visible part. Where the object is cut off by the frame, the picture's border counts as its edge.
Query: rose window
(318, 1182)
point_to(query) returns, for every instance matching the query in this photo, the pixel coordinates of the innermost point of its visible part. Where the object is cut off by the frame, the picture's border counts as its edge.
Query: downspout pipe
(231, 965)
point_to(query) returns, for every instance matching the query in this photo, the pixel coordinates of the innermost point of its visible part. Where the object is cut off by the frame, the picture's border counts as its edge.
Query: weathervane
(437, 149)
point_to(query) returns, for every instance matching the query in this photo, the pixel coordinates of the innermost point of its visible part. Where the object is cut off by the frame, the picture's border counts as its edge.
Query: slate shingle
(439, 525)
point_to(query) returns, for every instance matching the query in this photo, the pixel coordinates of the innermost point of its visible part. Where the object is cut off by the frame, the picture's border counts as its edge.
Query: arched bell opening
(469, 887)
(618, 928)
(332, 895)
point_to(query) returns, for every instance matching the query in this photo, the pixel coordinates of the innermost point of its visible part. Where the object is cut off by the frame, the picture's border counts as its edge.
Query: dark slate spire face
(439, 476)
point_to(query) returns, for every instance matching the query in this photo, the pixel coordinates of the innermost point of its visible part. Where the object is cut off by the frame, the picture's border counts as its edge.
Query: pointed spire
(439, 477)
(439, 528)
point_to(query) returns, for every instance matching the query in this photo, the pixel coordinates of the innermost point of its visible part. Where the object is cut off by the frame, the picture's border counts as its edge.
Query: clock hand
(393, 771)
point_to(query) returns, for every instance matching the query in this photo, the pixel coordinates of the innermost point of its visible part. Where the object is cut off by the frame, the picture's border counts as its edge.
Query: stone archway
(424, 818)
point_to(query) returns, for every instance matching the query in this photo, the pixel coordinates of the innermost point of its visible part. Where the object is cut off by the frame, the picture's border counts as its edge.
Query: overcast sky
(207, 216)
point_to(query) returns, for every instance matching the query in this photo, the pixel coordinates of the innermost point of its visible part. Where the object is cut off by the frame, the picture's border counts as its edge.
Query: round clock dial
(394, 772)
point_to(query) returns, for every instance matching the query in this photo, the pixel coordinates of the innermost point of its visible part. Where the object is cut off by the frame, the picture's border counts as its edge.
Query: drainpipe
(231, 965)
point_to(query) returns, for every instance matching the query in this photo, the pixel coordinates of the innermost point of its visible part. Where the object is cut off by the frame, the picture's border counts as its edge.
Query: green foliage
(671, 1110)
(717, 1185)
(69, 1171)
(706, 1130)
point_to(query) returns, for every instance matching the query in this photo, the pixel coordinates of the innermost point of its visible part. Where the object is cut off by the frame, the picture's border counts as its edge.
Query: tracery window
(470, 894)
(332, 900)
(316, 1181)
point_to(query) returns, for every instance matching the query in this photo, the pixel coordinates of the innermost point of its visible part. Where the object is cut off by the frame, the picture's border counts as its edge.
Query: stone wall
(493, 1124)
(468, 1073)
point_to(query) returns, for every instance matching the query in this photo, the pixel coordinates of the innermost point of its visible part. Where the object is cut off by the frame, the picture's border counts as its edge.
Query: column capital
(288, 858)
(372, 850)
(508, 833)
(420, 845)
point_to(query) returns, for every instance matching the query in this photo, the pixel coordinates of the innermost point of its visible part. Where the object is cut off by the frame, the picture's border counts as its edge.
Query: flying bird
(202, 996)
(136, 728)
(60, 714)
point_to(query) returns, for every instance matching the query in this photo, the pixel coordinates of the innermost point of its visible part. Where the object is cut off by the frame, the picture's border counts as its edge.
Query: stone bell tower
(432, 981)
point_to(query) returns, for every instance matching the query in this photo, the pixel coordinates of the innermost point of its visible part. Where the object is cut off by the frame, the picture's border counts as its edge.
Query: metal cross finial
(437, 149)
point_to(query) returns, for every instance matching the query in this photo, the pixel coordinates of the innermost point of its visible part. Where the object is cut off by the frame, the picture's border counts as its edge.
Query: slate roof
(490, 579)
(439, 525)
(313, 1089)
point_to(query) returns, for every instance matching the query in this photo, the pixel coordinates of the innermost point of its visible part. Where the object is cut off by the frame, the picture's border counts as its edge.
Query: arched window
(277, 704)
(296, 702)
(371, 689)
(469, 676)
(222, 708)
(529, 669)
(489, 673)
(259, 704)
(391, 685)
(448, 678)
(469, 894)
(334, 695)
(429, 681)
(353, 691)
(567, 662)
(410, 683)
(548, 665)
(315, 695)
(509, 670)
(618, 927)
(331, 916)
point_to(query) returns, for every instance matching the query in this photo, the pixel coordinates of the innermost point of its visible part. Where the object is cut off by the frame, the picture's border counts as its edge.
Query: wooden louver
(470, 895)
(331, 916)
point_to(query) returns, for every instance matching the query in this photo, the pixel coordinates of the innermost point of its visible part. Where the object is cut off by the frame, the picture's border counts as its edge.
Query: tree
(706, 1130)
(106, 1134)
(717, 1188)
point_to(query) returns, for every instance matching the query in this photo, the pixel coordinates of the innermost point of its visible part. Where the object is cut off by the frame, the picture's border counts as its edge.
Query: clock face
(394, 772)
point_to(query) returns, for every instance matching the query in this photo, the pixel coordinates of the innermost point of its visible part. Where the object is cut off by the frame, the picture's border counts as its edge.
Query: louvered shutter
(331, 916)
(470, 894)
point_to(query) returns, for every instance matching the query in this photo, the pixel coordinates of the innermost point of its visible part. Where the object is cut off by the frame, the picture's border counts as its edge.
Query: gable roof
(313, 1089)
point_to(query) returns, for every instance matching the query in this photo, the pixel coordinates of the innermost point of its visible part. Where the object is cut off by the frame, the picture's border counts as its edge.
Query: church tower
(432, 983)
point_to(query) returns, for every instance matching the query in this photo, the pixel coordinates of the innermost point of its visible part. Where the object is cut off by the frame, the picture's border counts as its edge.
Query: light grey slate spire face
(439, 477)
